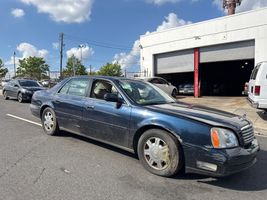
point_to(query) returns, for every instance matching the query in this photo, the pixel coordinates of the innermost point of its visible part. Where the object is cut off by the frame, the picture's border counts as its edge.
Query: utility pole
(90, 70)
(14, 60)
(74, 65)
(61, 52)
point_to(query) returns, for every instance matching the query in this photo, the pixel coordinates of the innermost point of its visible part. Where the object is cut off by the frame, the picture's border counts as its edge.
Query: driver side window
(102, 87)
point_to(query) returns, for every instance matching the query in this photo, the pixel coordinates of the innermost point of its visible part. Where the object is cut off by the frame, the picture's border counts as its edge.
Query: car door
(107, 121)
(69, 104)
(13, 89)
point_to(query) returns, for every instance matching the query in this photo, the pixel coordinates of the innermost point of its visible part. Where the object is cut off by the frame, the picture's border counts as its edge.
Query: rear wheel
(49, 122)
(174, 93)
(20, 98)
(160, 153)
(5, 95)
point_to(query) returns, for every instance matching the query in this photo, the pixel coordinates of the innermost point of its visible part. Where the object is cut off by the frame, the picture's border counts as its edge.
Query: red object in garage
(196, 74)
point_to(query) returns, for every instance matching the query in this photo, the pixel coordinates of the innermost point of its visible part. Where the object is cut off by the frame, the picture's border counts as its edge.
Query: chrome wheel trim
(49, 121)
(156, 153)
(5, 94)
(20, 97)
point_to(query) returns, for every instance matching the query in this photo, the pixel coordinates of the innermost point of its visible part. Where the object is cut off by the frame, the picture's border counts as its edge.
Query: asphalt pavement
(36, 166)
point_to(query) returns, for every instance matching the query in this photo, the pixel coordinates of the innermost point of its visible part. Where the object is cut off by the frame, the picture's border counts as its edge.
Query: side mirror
(113, 98)
(16, 86)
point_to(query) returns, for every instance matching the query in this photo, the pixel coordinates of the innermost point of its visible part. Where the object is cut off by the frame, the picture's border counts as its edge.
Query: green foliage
(3, 70)
(33, 67)
(110, 70)
(79, 68)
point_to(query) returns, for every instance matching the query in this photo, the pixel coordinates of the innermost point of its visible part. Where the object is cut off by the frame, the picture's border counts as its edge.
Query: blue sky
(108, 29)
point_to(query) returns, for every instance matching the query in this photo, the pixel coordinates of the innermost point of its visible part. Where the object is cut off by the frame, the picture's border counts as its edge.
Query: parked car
(168, 136)
(21, 89)
(257, 93)
(186, 89)
(162, 84)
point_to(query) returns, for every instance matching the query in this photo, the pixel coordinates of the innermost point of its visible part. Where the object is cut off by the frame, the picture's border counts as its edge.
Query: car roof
(111, 78)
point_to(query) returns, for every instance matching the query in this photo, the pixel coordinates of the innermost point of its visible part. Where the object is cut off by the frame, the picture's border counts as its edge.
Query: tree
(79, 68)
(3, 70)
(33, 67)
(110, 70)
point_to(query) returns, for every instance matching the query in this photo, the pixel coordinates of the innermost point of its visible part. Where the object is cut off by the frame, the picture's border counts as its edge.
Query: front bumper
(27, 96)
(228, 161)
(253, 103)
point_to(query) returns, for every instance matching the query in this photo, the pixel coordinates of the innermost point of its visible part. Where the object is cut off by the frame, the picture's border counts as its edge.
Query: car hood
(202, 114)
(33, 89)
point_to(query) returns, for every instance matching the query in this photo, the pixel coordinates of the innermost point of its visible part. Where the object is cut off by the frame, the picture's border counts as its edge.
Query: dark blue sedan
(169, 137)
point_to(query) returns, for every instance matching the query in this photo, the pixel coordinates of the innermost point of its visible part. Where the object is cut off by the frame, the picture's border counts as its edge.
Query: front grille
(247, 133)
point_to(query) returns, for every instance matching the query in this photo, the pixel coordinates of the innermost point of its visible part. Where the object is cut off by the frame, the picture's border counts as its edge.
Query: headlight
(26, 91)
(223, 138)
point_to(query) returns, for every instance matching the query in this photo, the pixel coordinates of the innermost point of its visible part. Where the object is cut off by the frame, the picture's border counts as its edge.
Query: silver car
(162, 84)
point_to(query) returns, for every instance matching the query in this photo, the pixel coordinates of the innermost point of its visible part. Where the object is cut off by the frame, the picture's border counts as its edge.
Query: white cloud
(172, 21)
(126, 60)
(68, 11)
(28, 50)
(251, 5)
(246, 5)
(161, 2)
(80, 53)
(17, 12)
(55, 45)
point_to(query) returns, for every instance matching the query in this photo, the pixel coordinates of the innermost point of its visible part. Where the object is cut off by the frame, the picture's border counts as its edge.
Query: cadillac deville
(168, 136)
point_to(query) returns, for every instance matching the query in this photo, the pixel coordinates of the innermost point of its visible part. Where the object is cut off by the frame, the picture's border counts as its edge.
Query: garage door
(226, 52)
(174, 62)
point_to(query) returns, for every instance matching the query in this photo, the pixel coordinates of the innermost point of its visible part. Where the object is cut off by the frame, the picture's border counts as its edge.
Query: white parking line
(25, 120)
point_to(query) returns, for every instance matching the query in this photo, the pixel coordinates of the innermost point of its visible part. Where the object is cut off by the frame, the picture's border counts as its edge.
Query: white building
(216, 55)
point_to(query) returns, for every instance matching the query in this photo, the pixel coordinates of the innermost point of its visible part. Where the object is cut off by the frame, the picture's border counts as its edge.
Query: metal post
(14, 60)
(73, 65)
(61, 53)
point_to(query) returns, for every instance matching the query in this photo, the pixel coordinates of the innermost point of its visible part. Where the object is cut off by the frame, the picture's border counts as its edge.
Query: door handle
(89, 107)
(57, 101)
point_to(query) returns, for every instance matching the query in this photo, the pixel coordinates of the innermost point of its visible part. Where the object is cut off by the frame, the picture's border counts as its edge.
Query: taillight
(257, 90)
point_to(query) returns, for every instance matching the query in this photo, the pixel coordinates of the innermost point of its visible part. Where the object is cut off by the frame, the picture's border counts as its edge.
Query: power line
(96, 43)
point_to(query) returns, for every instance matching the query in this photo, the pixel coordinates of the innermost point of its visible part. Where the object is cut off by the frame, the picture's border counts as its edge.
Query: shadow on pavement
(253, 179)
(262, 115)
(100, 144)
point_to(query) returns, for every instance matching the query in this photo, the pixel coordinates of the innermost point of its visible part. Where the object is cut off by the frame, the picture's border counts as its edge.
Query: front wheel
(160, 153)
(49, 122)
(5, 95)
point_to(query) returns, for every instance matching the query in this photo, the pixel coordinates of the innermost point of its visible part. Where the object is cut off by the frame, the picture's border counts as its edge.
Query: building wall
(240, 27)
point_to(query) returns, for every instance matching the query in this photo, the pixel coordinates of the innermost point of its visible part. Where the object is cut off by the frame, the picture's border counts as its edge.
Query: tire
(49, 122)
(160, 153)
(19, 97)
(5, 95)
(174, 93)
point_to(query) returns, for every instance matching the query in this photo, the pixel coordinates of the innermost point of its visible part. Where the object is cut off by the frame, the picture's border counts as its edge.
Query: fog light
(206, 166)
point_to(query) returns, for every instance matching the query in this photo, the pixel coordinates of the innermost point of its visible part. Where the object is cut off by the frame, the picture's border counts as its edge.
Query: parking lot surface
(36, 166)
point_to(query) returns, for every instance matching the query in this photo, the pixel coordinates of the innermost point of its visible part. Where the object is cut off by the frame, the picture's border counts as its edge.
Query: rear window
(255, 72)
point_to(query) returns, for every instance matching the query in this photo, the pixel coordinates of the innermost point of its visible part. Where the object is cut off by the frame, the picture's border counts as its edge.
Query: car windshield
(28, 83)
(144, 93)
